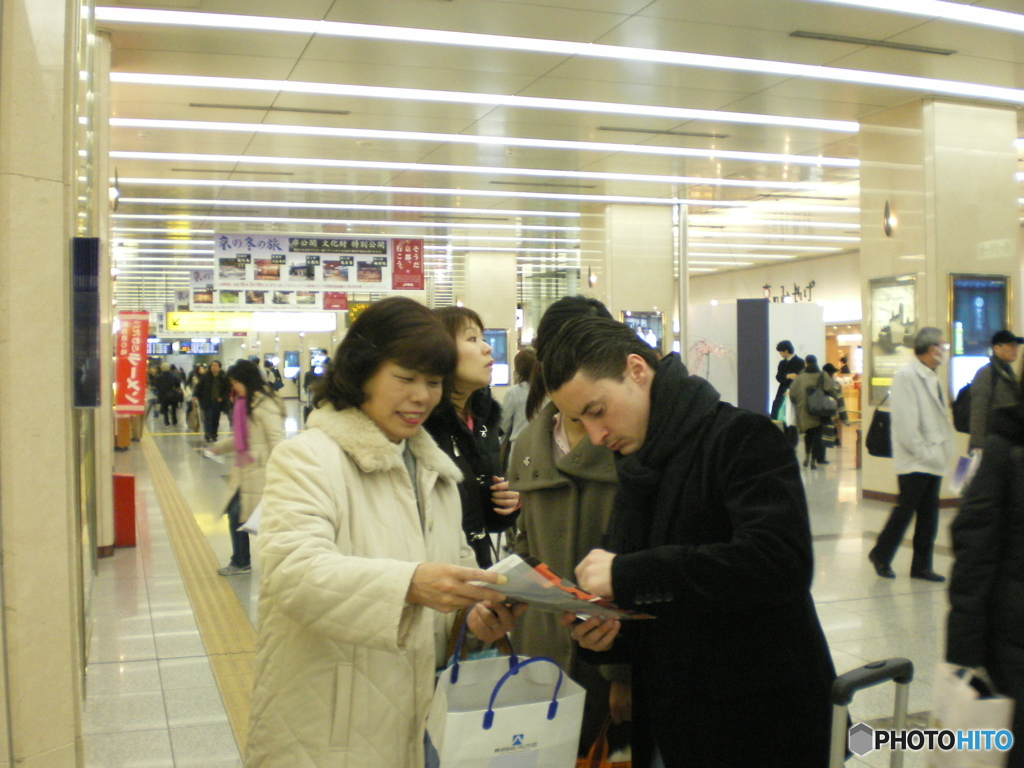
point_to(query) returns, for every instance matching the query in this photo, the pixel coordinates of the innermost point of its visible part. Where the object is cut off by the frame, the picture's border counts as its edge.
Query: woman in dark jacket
(986, 592)
(214, 396)
(466, 426)
(168, 392)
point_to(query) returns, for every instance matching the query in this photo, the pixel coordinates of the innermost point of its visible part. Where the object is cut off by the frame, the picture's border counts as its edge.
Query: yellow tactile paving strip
(227, 634)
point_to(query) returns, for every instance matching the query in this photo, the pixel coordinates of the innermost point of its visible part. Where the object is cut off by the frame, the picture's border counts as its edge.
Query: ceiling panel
(750, 29)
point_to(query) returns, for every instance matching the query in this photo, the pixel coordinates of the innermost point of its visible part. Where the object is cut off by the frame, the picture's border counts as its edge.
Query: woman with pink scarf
(258, 425)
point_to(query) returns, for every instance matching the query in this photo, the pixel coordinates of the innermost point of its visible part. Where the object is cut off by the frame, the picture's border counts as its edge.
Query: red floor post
(124, 510)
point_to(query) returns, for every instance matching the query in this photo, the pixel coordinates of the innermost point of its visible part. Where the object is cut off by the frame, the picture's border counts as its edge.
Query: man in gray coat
(922, 450)
(995, 385)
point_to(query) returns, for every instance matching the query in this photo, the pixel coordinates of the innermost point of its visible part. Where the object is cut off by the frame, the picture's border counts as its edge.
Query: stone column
(948, 174)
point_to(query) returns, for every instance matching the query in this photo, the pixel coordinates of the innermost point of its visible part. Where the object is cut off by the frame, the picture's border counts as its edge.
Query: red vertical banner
(130, 364)
(407, 265)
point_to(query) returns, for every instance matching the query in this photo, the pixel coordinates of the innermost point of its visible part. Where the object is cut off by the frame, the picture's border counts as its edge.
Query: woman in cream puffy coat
(361, 534)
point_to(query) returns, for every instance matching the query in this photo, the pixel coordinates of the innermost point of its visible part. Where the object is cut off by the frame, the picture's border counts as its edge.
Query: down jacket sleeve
(310, 568)
(977, 533)
(981, 404)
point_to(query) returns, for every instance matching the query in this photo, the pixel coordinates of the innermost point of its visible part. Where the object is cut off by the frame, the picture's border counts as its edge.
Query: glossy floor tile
(153, 700)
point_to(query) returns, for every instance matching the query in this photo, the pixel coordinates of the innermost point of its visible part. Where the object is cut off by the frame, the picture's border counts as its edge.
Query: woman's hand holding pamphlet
(532, 582)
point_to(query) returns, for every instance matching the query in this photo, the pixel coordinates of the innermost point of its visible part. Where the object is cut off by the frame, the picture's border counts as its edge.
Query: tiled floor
(152, 699)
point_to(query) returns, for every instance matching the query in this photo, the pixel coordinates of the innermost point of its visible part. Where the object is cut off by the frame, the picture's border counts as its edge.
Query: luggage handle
(513, 660)
(552, 707)
(898, 670)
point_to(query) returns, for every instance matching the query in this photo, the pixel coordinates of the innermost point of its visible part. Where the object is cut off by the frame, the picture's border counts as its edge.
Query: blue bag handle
(552, 707)
(513, 660)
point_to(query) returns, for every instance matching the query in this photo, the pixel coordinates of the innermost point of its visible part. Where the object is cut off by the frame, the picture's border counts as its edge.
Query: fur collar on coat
(371, 450)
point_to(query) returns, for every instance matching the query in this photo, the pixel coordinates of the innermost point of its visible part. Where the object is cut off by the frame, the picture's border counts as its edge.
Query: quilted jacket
(266, 429)
(344, 666)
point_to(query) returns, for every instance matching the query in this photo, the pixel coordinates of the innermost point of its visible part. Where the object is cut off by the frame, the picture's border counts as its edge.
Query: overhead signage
(208, 322)
(293, 272)
(130, 363)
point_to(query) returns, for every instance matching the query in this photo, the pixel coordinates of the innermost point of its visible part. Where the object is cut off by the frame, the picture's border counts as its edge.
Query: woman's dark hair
(596, 346)
(525, 360)
(558, 314)
(457, 318)
(811, 364)
(830, 369)
(248, 375)
(784, 346)
(396, 329)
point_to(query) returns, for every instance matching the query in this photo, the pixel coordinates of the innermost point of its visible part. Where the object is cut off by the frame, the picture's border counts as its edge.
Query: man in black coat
(985, 630)
(789, 366)
(710, 534)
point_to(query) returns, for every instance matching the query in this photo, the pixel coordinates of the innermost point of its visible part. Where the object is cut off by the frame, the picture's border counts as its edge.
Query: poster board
(893, 326)
(253, 272)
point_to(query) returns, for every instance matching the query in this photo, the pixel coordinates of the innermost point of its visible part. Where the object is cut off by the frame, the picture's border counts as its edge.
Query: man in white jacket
(922, 449)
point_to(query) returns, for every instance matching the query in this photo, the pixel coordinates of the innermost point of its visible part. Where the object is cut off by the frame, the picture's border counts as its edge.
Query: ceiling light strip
(336, 222)
(936, 9)
(497, 141)
(449, 191)
(341, 206)
(482, 99)
(561, 48)
(476, 169)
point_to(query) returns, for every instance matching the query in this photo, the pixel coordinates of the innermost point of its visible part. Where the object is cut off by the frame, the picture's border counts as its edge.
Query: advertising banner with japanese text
(130, 365)
(281, 272)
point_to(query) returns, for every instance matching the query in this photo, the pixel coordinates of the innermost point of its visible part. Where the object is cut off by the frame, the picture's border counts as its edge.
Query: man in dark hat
(995, 385)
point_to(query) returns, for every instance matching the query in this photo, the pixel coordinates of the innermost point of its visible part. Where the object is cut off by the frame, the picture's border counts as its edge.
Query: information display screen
(158, 348)
(980, 308)
(497, 340)
(199, 347)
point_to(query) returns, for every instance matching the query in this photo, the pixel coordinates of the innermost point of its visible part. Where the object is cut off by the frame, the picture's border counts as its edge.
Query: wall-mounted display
(979, 305)
(893, 326)
(497, 340)
(648, 325)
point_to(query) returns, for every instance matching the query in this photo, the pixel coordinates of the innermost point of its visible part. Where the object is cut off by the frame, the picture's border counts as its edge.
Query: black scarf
(682, 410)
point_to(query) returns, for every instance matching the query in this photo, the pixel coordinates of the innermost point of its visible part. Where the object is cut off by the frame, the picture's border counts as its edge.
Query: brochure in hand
(532, 582)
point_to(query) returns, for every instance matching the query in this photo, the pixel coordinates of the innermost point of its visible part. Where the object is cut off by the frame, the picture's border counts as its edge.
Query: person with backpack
(809, 424)
(995, 385)
(922, 452)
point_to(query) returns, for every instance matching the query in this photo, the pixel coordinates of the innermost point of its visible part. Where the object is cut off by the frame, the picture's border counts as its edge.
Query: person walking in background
(922, 449)
(995, 385)
(513, 407)
(168, 393)
(257, 427)
(566, 485)
(465, 425)
(809, 425)
(844, 366)
(214, 398)
(842, 415)
(985, 628)
(789, 366)
(193, 378)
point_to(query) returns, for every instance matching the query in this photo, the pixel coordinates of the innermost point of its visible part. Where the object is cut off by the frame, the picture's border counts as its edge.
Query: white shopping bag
(498, 713)
(252, 524)
(957, 706)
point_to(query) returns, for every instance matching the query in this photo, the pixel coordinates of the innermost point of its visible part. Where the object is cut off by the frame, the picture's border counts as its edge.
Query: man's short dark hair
(597, 346)
(785, 346)
(396, 329)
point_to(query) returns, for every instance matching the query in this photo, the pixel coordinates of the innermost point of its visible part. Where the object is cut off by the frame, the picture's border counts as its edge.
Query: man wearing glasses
(922, 449)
